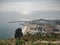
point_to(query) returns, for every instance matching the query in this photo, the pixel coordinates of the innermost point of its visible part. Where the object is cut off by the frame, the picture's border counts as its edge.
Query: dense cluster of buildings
(42, 28)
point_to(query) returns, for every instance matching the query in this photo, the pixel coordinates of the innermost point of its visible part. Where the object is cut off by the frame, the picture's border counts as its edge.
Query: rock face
(18, 33)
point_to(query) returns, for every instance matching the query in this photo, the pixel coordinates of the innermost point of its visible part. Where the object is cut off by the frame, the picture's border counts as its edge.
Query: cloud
(28, 6)
(28, 0)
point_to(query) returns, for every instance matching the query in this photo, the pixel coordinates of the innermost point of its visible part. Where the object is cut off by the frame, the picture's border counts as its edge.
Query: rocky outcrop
(18, 33)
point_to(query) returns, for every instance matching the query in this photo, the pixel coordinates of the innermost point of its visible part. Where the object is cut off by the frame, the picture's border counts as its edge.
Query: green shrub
(35, 43)
(20, 41)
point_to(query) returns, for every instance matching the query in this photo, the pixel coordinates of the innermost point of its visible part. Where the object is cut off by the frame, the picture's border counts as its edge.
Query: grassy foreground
(31, 40)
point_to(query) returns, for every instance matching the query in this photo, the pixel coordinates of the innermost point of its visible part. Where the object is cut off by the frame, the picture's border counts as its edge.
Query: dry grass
(29, 40)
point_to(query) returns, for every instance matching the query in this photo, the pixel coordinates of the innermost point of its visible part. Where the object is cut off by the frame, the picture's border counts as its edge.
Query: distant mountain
(44, 21)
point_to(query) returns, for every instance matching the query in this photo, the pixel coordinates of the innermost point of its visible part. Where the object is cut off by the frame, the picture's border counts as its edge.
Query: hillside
(32, 40)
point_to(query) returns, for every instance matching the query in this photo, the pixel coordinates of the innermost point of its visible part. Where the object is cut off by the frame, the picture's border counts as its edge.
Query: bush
(20, 42)
(36, 44)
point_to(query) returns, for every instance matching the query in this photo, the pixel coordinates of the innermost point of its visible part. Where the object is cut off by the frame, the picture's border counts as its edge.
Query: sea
(7, 30)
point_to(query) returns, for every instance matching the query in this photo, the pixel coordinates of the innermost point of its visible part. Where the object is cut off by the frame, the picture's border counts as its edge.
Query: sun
(25, 12)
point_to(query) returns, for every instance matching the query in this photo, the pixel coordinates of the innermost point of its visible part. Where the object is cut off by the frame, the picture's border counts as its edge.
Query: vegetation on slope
(30, 40)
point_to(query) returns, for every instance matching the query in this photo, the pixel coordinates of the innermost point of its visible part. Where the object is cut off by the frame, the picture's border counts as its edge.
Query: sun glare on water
(25, 12)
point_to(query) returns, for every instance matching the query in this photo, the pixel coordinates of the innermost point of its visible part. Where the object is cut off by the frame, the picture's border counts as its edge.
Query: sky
(26, 8)
(17, 10)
